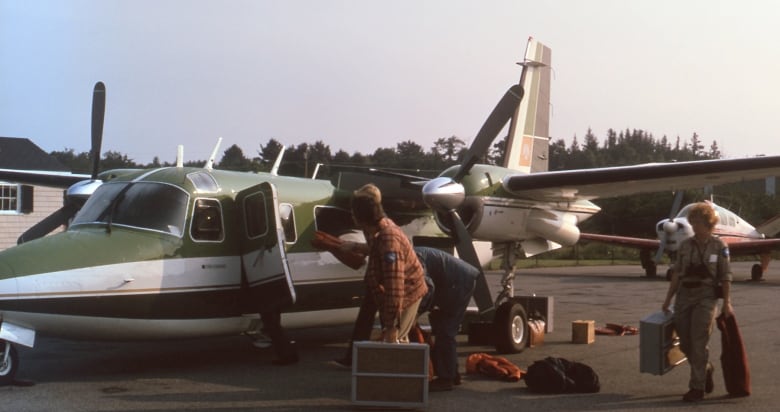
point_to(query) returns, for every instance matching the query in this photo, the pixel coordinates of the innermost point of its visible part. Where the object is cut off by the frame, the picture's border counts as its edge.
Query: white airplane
(741, 237)
(184, 252)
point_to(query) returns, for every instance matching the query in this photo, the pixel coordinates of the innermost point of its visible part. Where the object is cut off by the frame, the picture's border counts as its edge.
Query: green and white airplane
(182, 252)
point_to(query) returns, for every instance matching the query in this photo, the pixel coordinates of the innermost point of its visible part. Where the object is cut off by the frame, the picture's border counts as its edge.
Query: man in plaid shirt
(394, 275)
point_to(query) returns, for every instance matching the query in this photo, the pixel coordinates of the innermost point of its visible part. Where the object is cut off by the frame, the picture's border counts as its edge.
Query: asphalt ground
(229, 374)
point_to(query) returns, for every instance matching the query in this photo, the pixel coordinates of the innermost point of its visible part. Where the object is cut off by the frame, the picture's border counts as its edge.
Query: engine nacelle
(470, 212)
(560, 229)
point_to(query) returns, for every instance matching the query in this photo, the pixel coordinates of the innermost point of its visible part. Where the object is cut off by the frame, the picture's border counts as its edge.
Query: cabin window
(203, 182)
(207, 221)
(333, 220)
(255, 215)
(287, 217)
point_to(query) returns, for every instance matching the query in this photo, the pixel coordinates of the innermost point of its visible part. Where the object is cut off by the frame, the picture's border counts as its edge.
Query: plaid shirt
(394, 275)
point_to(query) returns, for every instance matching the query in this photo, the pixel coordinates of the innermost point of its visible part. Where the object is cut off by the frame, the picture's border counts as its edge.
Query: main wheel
(756, 272)
(8, 366)
(511, 328)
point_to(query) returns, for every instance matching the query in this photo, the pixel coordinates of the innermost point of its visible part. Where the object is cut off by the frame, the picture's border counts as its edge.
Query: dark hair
(366, 211)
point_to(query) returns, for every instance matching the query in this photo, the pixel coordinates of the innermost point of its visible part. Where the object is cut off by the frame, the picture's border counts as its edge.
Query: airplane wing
(50, 179)
(752, 247)
(635, 242)
(626, 180)
(771, 227)
(736, 245)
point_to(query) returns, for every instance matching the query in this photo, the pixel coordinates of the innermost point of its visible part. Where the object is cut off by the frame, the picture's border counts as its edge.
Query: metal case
(390, 374)
(659, 346)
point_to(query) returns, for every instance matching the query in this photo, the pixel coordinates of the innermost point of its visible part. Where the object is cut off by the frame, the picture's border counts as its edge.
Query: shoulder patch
(390, 257)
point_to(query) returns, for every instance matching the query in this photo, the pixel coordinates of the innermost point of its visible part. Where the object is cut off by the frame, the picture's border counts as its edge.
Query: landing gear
(648, 264)
(9, 363)
(511, 328)
(756, 272)
(669, 274)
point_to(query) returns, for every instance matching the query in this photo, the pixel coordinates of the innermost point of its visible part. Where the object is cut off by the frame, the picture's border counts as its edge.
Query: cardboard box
(390, 374)
(583, 331)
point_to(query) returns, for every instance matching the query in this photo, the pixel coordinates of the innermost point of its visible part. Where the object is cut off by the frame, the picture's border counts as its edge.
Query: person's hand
(390, 335)
(727, 310)
(665, 307)
(347, 246)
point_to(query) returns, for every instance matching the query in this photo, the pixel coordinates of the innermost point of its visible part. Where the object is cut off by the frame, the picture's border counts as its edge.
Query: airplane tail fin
(527, 146)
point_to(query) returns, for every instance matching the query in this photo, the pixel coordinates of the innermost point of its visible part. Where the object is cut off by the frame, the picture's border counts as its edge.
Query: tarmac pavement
(229, 374)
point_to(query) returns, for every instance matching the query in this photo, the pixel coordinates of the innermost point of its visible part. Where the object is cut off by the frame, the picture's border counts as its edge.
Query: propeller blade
(495, 122)
(661, 248)
(51, 222)
(678, 197)
(466, 251)
(98, 114)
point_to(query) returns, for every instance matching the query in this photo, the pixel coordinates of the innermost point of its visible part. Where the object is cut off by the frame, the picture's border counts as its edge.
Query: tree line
(633, 215)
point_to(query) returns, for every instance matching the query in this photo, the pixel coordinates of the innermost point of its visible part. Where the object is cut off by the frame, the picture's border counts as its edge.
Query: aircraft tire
(8, 369)
(651, 270)
(756, 273)
(511, 328)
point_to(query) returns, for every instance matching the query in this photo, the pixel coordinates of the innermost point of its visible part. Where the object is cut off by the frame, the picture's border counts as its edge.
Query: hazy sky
(360, 74)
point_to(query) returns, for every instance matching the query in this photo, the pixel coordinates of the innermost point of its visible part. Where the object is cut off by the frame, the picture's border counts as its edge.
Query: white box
(390, 374)
(659, 346)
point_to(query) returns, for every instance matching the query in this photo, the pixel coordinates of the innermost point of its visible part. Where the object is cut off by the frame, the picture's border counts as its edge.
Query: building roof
(22, 154)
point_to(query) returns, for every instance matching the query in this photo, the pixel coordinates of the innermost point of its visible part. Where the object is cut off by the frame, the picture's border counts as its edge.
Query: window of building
(15, 198)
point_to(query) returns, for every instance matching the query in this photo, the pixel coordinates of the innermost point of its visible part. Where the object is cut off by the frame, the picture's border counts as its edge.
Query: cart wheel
(511, 328)
(756, 273)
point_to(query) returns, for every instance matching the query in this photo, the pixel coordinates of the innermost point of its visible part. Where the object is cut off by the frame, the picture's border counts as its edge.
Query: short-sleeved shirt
(394, 275)
(714, 254)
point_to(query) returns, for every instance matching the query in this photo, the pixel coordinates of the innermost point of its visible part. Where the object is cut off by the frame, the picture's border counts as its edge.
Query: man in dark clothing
(286, 352)
(454, 281)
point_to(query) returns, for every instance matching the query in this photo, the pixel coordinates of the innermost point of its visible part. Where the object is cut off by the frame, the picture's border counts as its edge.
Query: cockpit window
(203, 182)
(207, 221)
(145, 205)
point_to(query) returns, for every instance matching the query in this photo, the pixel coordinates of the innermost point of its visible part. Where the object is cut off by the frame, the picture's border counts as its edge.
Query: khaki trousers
(694, 317)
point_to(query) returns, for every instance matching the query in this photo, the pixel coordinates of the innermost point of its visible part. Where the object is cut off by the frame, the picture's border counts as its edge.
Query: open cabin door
(263, 259)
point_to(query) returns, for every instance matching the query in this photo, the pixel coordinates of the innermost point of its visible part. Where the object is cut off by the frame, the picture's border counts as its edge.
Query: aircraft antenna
(278, 161)
(316, 169)
(180, 156)
(210, 163)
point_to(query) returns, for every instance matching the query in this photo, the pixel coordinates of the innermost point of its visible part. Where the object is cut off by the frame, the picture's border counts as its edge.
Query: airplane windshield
(146, 205)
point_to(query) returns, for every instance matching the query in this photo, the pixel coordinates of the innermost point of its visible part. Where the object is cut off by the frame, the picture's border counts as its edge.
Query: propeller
(77, 193)
(445, 194)
(669, 226)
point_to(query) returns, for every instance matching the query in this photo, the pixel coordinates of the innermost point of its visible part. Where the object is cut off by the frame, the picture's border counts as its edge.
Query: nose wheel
(9, 363)
(511, 328)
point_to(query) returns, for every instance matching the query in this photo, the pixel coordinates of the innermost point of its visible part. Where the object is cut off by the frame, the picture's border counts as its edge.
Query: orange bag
(493, 366)
(330, 243)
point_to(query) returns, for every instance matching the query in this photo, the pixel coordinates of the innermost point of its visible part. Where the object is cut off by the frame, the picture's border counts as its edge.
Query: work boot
(709, 385)
(693, 395)
(343, 363)
(440, 385)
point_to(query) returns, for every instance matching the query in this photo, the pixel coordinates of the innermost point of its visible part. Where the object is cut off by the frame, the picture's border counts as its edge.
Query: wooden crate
(583, 331)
